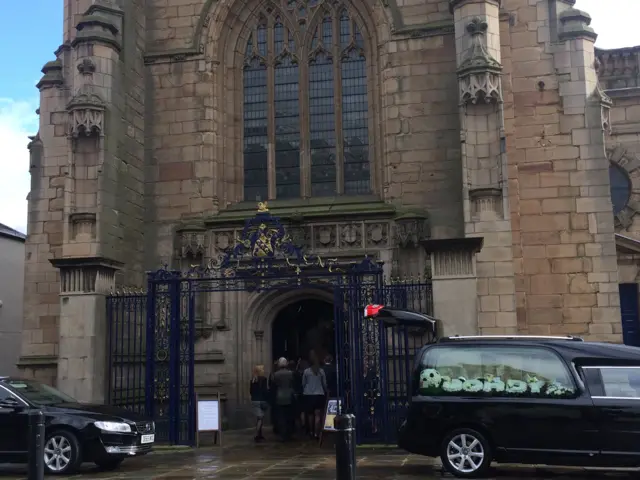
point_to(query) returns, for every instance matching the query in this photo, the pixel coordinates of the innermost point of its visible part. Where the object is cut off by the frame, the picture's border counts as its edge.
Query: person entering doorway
(259, 389)
(283, 382)
(314, 388)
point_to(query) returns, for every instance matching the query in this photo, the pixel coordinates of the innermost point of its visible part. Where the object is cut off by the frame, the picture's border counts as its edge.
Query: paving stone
(299, 461)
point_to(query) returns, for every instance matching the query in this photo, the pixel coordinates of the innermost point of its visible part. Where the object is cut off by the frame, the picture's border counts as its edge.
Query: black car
(75, 433)
(530, 400)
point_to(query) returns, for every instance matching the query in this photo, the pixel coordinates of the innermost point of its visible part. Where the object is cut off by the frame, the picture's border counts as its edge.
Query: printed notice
(208, 415)
(330, 415)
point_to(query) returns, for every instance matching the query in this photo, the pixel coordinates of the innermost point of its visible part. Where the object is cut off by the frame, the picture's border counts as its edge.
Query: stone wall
(561, 212)
(48, 158)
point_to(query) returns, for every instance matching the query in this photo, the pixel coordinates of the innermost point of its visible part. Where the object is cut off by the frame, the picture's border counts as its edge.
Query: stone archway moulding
(217, 12)
(263, 309)
(392, 17)
(629, 163)
(261, 312)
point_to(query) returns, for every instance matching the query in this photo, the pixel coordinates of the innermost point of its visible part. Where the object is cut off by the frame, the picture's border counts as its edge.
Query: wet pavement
(299, 461)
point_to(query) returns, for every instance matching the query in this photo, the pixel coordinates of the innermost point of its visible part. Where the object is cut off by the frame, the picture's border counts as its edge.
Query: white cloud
(18, 120)
(615, 21)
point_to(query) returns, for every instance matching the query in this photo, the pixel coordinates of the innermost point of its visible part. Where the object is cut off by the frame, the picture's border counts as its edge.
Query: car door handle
(612, 410)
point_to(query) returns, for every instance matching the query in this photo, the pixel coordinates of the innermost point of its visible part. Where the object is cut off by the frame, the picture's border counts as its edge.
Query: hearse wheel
(108, 464)
(61, 453)
(466, 453)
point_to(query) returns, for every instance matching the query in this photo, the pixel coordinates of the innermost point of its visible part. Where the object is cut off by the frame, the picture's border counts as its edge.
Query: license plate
(147, 438)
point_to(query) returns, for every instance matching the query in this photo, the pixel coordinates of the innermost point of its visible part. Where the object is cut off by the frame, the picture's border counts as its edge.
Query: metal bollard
(36, 445)
(345, 447)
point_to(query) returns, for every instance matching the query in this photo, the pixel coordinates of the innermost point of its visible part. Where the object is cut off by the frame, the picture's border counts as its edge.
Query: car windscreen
(39, 393)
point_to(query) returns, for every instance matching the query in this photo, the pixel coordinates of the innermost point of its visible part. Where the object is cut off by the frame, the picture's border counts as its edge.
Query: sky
(31, 30)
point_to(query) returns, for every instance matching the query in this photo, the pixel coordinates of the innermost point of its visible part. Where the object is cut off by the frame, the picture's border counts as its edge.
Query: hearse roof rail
(570, 338)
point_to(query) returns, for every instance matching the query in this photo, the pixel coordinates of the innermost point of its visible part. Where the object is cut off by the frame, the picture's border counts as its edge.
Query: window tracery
(306, 106)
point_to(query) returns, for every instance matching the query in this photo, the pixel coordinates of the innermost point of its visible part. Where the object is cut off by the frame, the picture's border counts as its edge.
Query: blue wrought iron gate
(152, 335)
(375, 360)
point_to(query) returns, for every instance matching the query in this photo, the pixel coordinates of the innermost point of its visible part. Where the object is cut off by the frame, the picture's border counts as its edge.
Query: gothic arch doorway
(303, 326)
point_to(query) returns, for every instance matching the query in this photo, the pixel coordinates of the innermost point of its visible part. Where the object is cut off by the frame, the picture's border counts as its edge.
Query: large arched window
(306, 109)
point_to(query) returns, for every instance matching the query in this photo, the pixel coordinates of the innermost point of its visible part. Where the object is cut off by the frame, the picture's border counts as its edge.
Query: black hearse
(533, 400)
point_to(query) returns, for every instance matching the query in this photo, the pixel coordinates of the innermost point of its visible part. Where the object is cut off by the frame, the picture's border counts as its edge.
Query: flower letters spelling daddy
(433, 383)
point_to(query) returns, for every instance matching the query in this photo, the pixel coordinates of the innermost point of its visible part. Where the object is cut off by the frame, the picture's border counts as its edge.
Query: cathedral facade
(483, 145)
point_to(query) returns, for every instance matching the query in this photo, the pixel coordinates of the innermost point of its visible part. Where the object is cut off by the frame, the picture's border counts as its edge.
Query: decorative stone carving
(258, 334)
(486, 201)
(575, 24)
(193, 242)
(351, 235)
(99, 25)
(223, 240)
(83, 226)
(300, 235)
(325, 236)
(52, 75)
(35, 148)
(411, 229)
(479, 73)
(86, 112)
(87, 67)
(377, 234)
(627, 173)
(604, 100)
(619, 70)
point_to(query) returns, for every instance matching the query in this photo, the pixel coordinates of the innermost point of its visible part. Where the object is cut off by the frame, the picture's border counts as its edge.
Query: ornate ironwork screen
(152, 335)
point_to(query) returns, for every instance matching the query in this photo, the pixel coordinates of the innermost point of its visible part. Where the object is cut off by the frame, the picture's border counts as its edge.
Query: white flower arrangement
(452, 385)
(516, 386)
(473, 386)
(535, 385)
(493, 384)
(431, 380)
(556, 389)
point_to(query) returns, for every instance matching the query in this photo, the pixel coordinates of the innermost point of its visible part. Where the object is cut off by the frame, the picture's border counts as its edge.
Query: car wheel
(109, 463)
(61, 453)
(466, 453)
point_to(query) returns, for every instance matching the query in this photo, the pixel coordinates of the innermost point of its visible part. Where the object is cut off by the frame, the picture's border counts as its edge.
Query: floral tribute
(433, 383)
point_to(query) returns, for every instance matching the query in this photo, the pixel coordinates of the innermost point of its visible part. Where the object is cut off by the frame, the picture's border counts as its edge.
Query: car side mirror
(10, 403)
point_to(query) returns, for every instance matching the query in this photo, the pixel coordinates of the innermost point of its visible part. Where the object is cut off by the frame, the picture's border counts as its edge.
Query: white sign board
(330, 415)
(208, 415)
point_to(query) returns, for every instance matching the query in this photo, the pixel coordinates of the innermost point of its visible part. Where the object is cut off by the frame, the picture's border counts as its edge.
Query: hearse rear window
(494, 371)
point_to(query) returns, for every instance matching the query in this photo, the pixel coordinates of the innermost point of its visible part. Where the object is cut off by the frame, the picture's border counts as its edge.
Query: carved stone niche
(479, 74)
(86, 114)
(411, 229)
(192, 241)
(83, 227)
(486, 203)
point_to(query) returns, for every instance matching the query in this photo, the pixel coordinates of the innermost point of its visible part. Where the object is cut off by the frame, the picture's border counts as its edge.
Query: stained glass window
(287, 117)
(620, 187)
(355, 118)
(305, 114)
(322, 124)
(256, 178)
